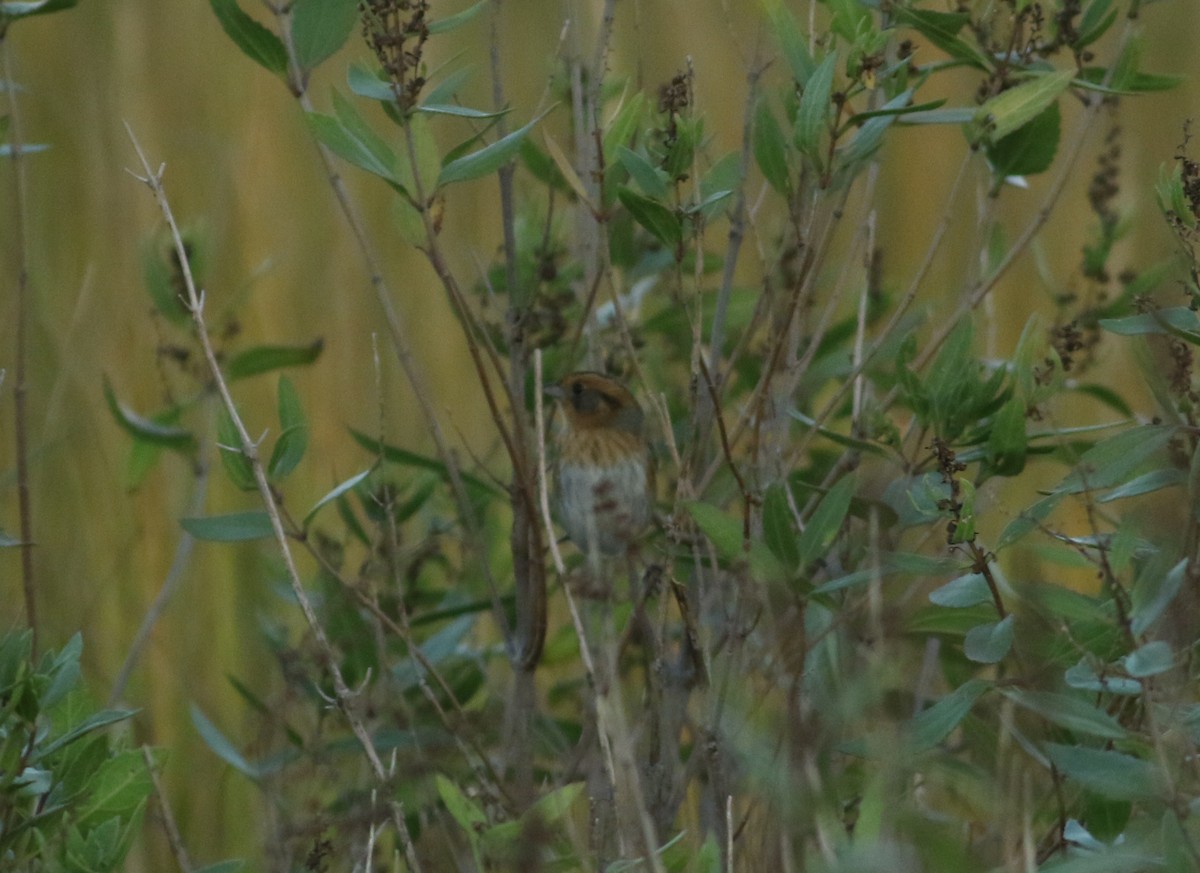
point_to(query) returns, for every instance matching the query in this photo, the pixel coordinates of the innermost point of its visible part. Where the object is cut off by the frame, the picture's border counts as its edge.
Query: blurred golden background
(242, 168)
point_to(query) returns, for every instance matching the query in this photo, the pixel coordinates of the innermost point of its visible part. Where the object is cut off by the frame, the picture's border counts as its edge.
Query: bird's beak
(553, 390)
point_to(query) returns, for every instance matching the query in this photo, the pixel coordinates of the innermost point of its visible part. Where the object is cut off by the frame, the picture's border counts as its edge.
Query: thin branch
(170, 827)
(195, 301)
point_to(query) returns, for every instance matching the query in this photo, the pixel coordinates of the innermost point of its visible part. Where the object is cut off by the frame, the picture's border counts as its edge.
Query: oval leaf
(989, 643)
(969, 590)
(1111, 774)
(320, 28)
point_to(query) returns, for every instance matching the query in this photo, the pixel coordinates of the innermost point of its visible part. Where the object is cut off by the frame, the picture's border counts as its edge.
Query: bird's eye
(577, 388)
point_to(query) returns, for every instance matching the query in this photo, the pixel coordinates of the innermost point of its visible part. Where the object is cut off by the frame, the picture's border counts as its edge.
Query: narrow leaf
(663, 223)
(221, 746)
(826, 521)
(232, 528)
(337, 492)
(334, 136)
(293, 437)
(1068, 711)
(1016, 107)
(1112, 461)
(930, 726)
(779, 530)
(444, 25)
(1153, 592)
(487, 159)
(256, 42)
(770, 148)
(263, 359)
(145, 429)
(812, 116)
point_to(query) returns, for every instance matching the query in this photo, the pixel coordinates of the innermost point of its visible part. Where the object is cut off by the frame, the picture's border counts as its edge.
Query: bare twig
(195, 301)
(170, 827)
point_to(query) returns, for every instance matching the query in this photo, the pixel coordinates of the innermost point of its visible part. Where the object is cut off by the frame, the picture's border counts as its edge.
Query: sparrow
(604, 471)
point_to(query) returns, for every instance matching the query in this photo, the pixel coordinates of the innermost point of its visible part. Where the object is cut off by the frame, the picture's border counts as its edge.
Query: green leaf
(1096, 20)
(465, 812)
(1068, 711)
(487, 159)
(1030, 149)
(791, 40)
(624, 125)
(145, 429)
(320, 28)
(371, 154)
(1147, 483)
(969, 590)
(337, 492)
(232, 528)
(812, 118)
(1013, 109)
(662, 222)
(648, 177)
(371, 85)
(850, 18)
(256, 42)
(725, 532)
(459, 111)
(1174, 321)
(117, 789)
(444, 25)
(293, 437)
(930, 726)
(235, 463)
(221, 746)
(951, 115)
(1149, 660)
(1085, 677)
(989, 643)
(826, 521)
(92, 723)
(770, 149)
(264, 359)
(1153, 592)
(1029, 520)
(1111, 774)
(1112, 461)
(779, 530)
(869, 136)
(941, 28)
(1007, 442)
